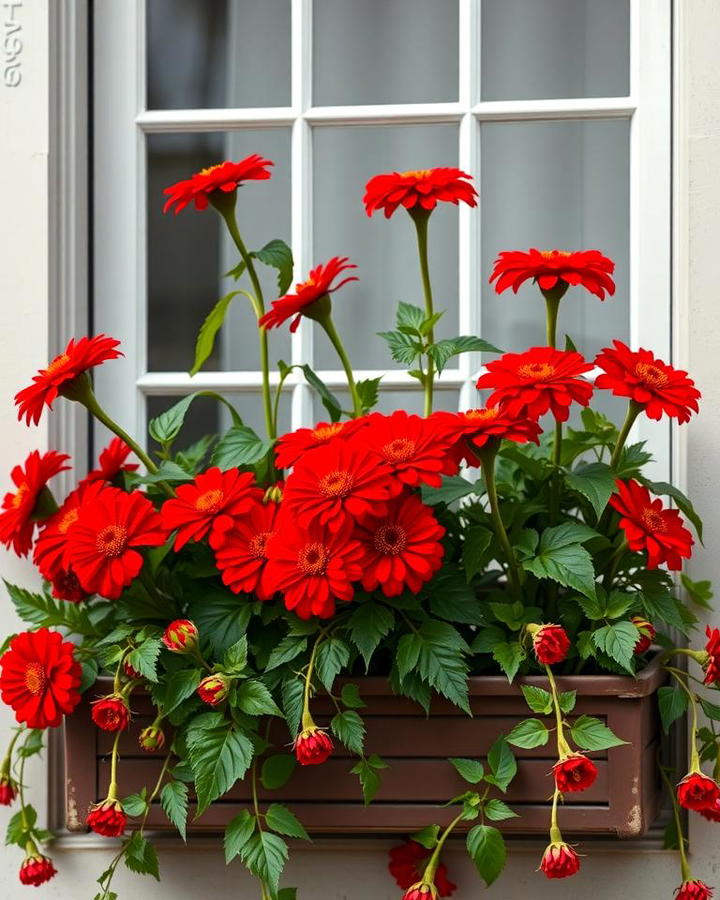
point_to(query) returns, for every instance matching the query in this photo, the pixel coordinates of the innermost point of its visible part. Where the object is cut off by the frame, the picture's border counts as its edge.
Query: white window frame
(121, 122)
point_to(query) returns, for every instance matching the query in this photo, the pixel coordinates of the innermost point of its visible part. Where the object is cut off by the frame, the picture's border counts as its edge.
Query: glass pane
(533, 49)
(385, 51)
(390, 400)
(205, 55)
(188, 253)
(384, 250)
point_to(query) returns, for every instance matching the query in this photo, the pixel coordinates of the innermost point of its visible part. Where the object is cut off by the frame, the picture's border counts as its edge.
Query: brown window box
(624, 801)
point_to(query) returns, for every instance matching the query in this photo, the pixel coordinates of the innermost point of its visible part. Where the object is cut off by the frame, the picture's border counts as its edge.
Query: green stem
(562, 745)
(307, 719)
(685, 870)
(634, 410)
(434, 861)
(487, 463)
(155, 791)
(421, 228)
(329, 327)
(555, 833)
(694, 755)
(90, 402)
(552, 306)
(112, 790)
(5, 766)
(556, 483)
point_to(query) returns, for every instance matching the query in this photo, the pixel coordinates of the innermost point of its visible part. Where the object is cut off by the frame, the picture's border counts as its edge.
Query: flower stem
(562, 745)
(694, 755)
(634, 410)
(112, 790)
(7, 760)
(307, 719)
(331, 331)
(684, 865)
(434, 861)
(487, 463)
(556, 482)
(552, 306)
(90, 402)
(421, 228)
(555, 833)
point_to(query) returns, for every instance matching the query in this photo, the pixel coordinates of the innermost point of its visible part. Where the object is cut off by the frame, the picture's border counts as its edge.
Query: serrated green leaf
(441, 351)
(528, 734)
(239, 446)
(174, 801)
(497, 811)
(140, 856)
(453, 487)
(265, 855)
(368, 391)
(292, 690)
(487, 850)
(332, 656)
(475, 547)
(219, 757)
(469, 769)
(509, 657)
(427, 837)
(135, 805)
(538, 699)
(673, 703)
(279, 818)
(409, 316)
(404, 348)
(237, 834)
(254, 698)
(349, 729)
(41, 609)
(288, 648)
(350, 697)
(144, 659)
(570, 565)
(618, 641)
(179, 686)
(368, 625)
(591, 734)
(221, 617)
(367, 770)
(700, 592)
(487, 639)
(503, 764)
(596, 481)
(567, 701)
(278, 255)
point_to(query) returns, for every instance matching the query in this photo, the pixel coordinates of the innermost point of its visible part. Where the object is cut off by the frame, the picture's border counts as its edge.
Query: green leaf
(235, 657)
(278, 255)
(33, 743)
(221, 617)
(475, 547)
(711, 710)
(410, 317)
(167, 471)
(350, 697)
(21, 826)
(145, 657)
(240, 446)
(367, 770)
(135, 805)
(333, 654)
(404, 348)
(681, 501)
(618, 641)
(442, 351)
(265, 854)
(509, 657)
(673, 703)
(528, 734)
(41, 609)
(237, 834)
(140, 856)
(497, 811)
(280, 819)
(288, 648)
(570, 565)
(469, 769)
(368, 391)
(452, 598)
(174, 800)
(502, 764)
(567, 701)
(487, 850)
(453, 487)
(566, 534)
(213, 323)
(254, 698)
(277, 770)
(219, 757)
(292, 690)
(591, 734)
(368, 625)
(632, 459)
(538, 699)
(596, 481)
(427, 837)
(438, 651)
(328, 399)
(179, 686)
(487, 639)
(700, 592)
(349, 729)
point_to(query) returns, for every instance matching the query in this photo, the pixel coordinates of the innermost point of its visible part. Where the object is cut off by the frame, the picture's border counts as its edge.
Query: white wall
(341, 871)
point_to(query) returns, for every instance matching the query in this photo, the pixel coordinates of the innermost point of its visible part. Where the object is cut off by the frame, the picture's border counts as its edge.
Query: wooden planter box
(624, 801)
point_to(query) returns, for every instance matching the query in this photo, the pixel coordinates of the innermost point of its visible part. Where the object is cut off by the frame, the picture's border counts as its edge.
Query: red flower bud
(130, 672)
(312, 746)
(711, 663)
(36, 870)
(559, 860)
(694, 890)
(181, 636)
(151, 739)
(647, 634)
(421, 891)
(213, 689)
(107, 818)
(697, 791)
(8, 790)
(574, 773)
(111, 713)
(551, 644)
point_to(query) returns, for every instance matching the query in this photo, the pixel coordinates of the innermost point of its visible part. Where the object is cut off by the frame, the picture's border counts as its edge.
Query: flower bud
(37, 869)
(131, 673)
(181, 636)
(574, 773)
(151, 739)
(8, 790)
(694, 890)
(312, 746)
(214, 689)
(111, 713)
(698, 791)
(550, 643)
(559, 860)
(421, 891)
(647, 633)
(107, 818)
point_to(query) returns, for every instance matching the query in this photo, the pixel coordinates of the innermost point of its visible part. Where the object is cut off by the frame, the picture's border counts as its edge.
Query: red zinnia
(655, 386)
(313, 568)
(559, 860)
(242, 558)
(649, 526)
(551, 644)
(111, 713)
(102, 543)
(402, 548)
(416, 449)
(318, 285)
(574, 773)
(293, 446)
(107, 818)
(312, 746)
(210, 505)
(646, 631)
(418, 190)
(698, 791)
(407, 864)
(225, 177)
(37, 869)
(337, 482)
(694, 890)
(712, 647)
(541, 379)
(40, 678)
(20, 508)
(60, 374)
(481, 427)
(548, 268)
(112, 461)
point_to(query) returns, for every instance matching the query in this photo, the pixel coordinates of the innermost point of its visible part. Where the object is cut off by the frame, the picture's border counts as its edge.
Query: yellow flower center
(336, 484)
(651, 375)
(313, 558)
(111, 540)
(210, 501)
(482, 414)
(58, 363)
(70, 517)
(390, 539)
(325, 432)
(653, 520)
(20, 494)
(257, 544)
(417, 173)
(549, 254)
(210, 169)
(399, 450)
(35, 677)
(537, 371)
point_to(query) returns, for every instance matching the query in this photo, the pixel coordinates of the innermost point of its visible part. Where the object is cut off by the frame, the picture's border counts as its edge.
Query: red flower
(213, 689)
(407, 866)
(649, 526)
(559, 860)
(225, 177)
(529, 384)
(647, 634)
(418, 190)
(312, 746)
(209, 505)
(402, 548)
(293, 446)
(40, 678)
(22, 508)
(37, 869)
(711, 813)
(712, 647)
(551, 644)
(8, 790)
(242, 558)
(111, 713)
(107, 818)
(550, 268)
(420, 891)
(338, 482)
(698, 791)
(318, 285)
(130, 672)
(112, 461)
(59, 377)
(574, 773)
(313, 568)
(102, 543)
(416, 449)
(482, 427)
(694, 890)
(652, 384)
(181, 636)
(151, 739)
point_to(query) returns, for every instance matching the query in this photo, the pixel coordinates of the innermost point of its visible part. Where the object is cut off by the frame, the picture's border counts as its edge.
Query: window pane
(534, 49)
(384, 250)
(188, 253)
(204, 54)
(411, 401)
(562, 185)
(385, 51)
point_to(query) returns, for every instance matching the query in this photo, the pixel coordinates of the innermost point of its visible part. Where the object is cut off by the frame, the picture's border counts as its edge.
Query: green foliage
(219, 756)
(562, 558)
(368, 625)
(140, 856)
(487, 850)
(327, 398)
(618, 641)
(205, 341)
(469, 769)
(278, 255)
(277, 770)
(332, 656)
(591, 734)
(437, 652)
(240, 446)
(528, 734)
(174, 801)
(238, 833)
(47, 612)
(502, 763)
(278, 818)
(349, 729)
(368, 770)
(672, 702)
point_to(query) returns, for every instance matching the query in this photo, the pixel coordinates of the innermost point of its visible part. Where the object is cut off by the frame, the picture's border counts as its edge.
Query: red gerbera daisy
(418, 190)
(313, 568)
(541, 379)
(209, 505)
(225, 177)
(318, 285)
(552, 268)
(50, 553)
(112, 461)
(40, 678)
(62, 372)
(402, 548)
(23, 507)
(482, 426)
(102, 543)
(649, 526)
(338, 481)
(242, 558)
(291, 447)
(649, 382)
(414, 448)
(407, 865)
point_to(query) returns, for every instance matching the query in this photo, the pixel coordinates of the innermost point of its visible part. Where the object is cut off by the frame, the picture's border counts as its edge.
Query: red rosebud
(421, 891)
(181, 636)
(107, 818)
(151, 739)
(698, 791)
(551, 644)
(8, 790)
(111, 713)
(213, 689)
(694, 890)
(131, 673)
(647, 634)
(312, 746)
(574, 773)
(37, 869)
(559, 860)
